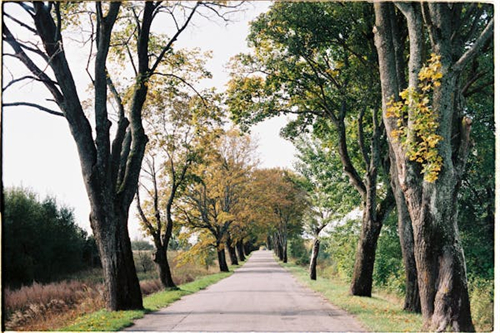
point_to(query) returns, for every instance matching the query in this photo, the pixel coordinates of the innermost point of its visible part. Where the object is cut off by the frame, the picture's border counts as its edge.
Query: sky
(39, 151)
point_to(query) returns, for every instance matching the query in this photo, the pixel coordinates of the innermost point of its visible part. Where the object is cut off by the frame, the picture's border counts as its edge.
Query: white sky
(39, 152)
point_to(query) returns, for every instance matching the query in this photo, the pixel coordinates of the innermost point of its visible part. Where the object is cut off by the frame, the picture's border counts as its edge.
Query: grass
(375, 313)
(58, 304)
(104, 320)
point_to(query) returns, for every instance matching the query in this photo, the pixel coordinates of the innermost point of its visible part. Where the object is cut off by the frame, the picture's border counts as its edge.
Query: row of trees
(109, 133)
(389, 111)
(391, 89)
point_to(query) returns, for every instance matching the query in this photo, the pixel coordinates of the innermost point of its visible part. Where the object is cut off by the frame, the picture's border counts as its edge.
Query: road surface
(259, 296)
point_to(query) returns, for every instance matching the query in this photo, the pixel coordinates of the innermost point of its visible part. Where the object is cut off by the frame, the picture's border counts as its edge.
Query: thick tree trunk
(163, 267)
(432, 205)
(120, 276)
(362, 278)
(314, 259)
(405, 230)
(221, 257)
(241, 251)
(232, 253)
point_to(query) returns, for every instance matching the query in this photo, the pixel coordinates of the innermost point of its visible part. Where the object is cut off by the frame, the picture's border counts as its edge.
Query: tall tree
(281, 205)
(212, 201)
(313, 60)
(180, 126)
(329, 191)
(110, 160)
(430, 137)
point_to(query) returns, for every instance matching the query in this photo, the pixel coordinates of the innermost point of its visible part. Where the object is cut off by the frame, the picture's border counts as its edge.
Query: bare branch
(174, 38)
(483, 38)
(20, 23)
(27, 77)
(33, 105)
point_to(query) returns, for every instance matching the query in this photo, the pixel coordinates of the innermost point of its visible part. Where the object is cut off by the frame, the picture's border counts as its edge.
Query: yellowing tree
(212, 202)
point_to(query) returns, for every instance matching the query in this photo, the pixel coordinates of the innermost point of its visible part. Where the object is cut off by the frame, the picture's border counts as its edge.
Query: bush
(481, 292)
(340, 246)
(41, 240)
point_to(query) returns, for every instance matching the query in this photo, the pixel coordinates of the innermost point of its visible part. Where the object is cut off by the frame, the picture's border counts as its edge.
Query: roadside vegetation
(55, 306)
(394, 186)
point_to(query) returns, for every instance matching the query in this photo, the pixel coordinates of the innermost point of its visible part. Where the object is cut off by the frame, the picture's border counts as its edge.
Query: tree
(430, 137)
(330, 195)
(180, 126)
(42, 241)
(211, 202)
(313, 60)
(110, 160)
(281, 203)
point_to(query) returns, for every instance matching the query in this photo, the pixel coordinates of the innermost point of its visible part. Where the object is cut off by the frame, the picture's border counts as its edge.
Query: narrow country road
(260, 296)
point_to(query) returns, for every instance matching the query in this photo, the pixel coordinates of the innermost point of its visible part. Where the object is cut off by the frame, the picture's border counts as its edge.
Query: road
(259, 296)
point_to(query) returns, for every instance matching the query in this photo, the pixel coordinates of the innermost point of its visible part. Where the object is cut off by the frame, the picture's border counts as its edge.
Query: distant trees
(281, 203)
(41, 240)
(212, 202)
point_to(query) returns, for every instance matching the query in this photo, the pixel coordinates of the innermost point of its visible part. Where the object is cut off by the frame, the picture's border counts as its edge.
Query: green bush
(41, 240)
(341, 245)
(481, 293)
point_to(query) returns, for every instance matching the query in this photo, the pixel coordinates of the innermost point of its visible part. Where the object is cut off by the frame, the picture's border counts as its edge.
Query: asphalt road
(259, 296)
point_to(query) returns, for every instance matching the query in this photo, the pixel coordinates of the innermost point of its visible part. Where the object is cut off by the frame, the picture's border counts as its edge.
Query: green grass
(105, 320)
(375, 313)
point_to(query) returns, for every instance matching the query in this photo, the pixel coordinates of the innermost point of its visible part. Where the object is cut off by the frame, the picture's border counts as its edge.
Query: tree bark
(221, 257)
(241, 250)
(362, 278)
(122, 284)
(405, 231)
(163, 267)
(314, 258)
(433, 205)
(232, 252)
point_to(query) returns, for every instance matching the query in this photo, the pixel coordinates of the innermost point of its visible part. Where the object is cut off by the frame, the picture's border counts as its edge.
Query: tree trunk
(269, 243)
(221, 257)
(241, 251)
(232, 252)
(120, 276)
(314, 259)
(285, 250)
(412, 296)
(163, 267)
(432, 206)
(362, 278)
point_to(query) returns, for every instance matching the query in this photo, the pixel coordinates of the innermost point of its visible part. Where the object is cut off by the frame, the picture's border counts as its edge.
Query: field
(47, 307)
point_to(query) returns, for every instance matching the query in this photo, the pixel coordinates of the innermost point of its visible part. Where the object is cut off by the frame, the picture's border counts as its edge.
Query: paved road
(260, 296)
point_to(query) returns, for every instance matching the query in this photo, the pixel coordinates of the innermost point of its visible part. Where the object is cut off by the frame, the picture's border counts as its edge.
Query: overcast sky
(39, 152)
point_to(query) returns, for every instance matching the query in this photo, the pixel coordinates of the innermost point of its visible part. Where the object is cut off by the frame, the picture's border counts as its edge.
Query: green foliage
(142, 245)
(389, 270)
(340, 245)
(298, 251)
(482, 296)
(41, 240)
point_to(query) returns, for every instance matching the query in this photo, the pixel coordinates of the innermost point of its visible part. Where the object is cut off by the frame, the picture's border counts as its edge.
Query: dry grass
(40, 307)
(48, 307)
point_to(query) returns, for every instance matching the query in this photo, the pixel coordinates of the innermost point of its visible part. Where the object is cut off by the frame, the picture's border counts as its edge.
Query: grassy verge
(375, 313)
(104, 320)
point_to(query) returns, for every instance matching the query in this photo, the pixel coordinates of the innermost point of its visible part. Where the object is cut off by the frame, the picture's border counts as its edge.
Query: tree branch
(467, 56)
(33, 105)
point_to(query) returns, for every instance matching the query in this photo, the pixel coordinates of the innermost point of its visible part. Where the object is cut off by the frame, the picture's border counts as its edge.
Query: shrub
(481, 292)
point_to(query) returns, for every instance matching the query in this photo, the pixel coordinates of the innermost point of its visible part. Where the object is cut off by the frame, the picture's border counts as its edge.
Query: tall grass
(46, 307)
